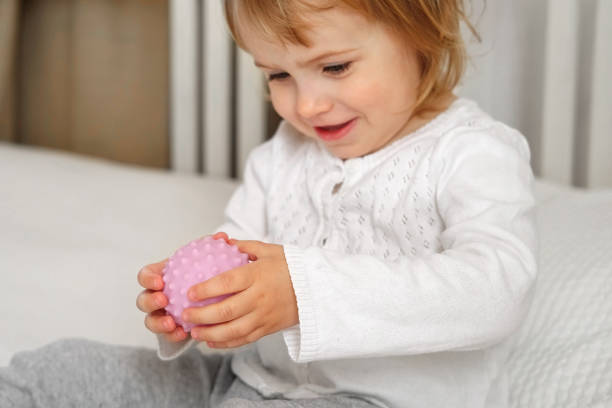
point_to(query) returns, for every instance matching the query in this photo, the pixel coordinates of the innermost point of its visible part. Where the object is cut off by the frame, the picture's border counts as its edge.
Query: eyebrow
(313, 60)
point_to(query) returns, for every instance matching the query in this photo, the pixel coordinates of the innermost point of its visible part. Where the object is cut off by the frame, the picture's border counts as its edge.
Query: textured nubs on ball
(193, 263)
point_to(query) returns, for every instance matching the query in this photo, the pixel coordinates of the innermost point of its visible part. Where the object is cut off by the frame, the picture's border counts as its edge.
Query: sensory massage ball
(193, 263)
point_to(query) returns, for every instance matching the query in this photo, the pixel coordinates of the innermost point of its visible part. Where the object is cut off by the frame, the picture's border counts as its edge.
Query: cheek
(281, 99)
(382, 96)
(367, 96)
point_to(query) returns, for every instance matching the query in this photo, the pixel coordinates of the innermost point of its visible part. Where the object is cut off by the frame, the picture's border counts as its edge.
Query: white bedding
(74, 232)
(563, 356)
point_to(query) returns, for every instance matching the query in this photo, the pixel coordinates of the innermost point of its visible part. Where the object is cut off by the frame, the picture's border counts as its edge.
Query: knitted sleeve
(472, 294)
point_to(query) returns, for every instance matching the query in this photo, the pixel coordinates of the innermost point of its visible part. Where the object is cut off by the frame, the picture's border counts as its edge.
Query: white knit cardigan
(411, 266)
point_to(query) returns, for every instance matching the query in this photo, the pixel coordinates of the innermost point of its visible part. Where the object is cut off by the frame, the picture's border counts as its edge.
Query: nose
(311, 102)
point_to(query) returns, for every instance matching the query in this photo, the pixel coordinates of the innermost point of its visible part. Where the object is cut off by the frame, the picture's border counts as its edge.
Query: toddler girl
(388, 221)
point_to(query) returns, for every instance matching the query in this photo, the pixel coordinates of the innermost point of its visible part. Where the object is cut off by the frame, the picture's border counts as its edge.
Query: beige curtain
(88, 76)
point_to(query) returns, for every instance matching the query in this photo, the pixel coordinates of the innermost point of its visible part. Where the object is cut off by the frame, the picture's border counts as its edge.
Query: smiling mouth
(335, 132)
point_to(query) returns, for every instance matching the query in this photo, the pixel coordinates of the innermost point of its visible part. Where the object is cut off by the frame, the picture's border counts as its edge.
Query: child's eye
(337, 68)
(279, 75)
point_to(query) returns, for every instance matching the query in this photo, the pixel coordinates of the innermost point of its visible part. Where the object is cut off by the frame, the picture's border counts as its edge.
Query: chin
(345, 153)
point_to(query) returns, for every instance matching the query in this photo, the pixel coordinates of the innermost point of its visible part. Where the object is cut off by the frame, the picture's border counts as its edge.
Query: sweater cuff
(169, 351)
(301, 339)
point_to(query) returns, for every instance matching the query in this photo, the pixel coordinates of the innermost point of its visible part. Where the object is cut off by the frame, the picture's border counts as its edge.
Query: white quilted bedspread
(564, 352)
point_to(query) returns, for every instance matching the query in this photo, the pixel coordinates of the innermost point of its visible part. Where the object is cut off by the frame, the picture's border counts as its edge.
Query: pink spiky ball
(193, 263)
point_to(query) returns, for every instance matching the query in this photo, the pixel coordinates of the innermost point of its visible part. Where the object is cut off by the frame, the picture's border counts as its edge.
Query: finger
(221, 235)
(176, 335)
(159, 322)
(255, 249)
(149, 301)
(252, 337)
(225, 332)
(228, 309)
(150, 276)
(232, 281)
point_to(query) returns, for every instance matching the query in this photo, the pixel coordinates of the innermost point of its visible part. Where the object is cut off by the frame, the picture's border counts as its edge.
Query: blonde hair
(432, 27)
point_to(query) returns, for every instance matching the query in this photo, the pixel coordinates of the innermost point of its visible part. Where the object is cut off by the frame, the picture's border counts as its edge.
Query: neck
(419, 120)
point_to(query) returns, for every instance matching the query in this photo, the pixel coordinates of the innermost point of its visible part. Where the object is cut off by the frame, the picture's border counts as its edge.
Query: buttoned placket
(330, 204)
(348, 170)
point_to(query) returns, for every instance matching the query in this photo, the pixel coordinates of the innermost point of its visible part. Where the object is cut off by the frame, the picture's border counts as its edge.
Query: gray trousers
(81, 373)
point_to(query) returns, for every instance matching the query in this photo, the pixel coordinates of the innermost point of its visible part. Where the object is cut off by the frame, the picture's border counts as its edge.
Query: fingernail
(192, 295)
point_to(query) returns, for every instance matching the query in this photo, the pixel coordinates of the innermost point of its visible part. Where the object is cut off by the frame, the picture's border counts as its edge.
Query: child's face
(356, 98)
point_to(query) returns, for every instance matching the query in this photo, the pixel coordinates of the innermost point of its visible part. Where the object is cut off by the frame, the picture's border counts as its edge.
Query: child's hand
(152, 301)
(263, 300)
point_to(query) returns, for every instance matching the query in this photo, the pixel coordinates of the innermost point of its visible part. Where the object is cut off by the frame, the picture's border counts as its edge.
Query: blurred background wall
(88, 76)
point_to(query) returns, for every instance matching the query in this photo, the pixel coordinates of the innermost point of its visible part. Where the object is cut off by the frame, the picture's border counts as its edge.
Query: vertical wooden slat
(217, 91)
(586, 37)
(9, 26)
(559, 92)
(43, 103)
(184, 85)
(251, 114)
(531, 41)
(599, 173)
